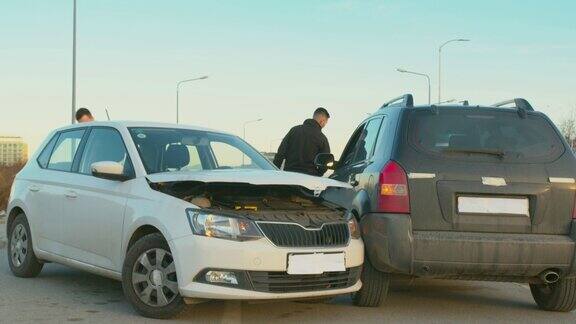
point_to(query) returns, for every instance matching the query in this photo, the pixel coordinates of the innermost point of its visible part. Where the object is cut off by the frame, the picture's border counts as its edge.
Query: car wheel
(149, 278)
(559, 296)
(21, 257)
(374, 287)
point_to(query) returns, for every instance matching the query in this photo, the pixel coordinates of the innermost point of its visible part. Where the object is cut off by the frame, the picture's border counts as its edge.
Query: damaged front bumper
(260, 268)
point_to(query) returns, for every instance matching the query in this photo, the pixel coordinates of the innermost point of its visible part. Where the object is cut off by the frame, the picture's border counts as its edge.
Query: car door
(94, 207)
(47, 189)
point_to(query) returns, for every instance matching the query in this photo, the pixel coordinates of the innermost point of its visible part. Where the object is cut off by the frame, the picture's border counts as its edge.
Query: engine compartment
(280, 203)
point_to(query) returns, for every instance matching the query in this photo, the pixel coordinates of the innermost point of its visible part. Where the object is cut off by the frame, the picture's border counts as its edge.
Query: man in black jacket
(302, 143)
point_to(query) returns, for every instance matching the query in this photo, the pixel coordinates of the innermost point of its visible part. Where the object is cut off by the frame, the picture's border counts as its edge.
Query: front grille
(282, 282)
(294, 235)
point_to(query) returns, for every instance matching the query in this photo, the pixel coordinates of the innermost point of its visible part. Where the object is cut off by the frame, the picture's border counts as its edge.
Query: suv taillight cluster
(393, 195)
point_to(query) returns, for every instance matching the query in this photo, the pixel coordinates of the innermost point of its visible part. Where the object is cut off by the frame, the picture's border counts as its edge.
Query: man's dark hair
(82, 112)
(321, 111)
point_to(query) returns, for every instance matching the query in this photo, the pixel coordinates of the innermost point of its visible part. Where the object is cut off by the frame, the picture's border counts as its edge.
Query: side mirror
(325, 160)
(109, 170)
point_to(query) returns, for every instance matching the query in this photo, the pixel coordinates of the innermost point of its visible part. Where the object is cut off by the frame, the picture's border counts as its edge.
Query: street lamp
(420, 74)
(74, 64)
(244, 132)
(178, 94)
(440, 63)
(246, 123)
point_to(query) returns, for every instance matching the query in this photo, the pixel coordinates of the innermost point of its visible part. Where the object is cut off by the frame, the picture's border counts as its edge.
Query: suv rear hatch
(486, 170)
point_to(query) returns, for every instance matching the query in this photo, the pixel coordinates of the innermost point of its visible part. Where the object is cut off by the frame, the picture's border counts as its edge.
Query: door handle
(71, 194)
(34, 188)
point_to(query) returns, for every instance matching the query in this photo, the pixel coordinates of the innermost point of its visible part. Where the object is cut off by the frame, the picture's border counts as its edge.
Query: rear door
(487, 170)
(356, 158)
(47, 188)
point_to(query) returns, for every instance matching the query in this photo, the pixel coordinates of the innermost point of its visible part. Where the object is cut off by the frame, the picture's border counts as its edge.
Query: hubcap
(154, 278)
(18, 245)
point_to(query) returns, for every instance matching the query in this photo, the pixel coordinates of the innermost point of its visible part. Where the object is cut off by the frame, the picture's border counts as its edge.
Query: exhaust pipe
(549, 276)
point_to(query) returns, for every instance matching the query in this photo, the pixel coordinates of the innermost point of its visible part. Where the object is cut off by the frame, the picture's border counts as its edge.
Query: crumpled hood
(254, 177)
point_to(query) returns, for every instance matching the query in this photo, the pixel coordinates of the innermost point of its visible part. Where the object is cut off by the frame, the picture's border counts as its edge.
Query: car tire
(374, 287)
(149, 284)
(559, 296)
(21, 258)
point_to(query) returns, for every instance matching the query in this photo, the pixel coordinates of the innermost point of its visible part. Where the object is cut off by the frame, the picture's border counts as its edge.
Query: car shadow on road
(77, 295)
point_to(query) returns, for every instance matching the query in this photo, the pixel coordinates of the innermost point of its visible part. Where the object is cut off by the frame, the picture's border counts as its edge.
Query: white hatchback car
(180, 214)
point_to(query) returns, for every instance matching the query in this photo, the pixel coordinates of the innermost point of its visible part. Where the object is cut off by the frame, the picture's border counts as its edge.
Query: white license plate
(484, 205)
(316, 263)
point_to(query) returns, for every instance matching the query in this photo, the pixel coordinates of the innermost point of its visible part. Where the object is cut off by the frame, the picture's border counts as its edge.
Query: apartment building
(13, 150)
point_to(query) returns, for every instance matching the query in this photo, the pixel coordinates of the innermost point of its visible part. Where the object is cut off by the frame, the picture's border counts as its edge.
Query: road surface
(61, 295)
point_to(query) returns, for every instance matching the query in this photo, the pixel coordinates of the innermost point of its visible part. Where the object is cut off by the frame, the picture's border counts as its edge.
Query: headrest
(176, 156)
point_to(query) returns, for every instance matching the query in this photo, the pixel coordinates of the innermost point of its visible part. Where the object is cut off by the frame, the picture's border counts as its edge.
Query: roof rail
(519, 103)
(403, 101)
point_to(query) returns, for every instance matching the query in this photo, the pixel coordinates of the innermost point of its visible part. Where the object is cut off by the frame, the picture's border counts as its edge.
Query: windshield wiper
(496, 152)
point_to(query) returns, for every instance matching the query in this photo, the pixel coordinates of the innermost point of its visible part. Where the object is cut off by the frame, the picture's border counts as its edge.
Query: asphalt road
(61, 294)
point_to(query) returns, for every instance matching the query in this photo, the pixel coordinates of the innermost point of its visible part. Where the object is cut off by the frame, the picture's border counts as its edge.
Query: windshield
(485, 134)
(171, 149)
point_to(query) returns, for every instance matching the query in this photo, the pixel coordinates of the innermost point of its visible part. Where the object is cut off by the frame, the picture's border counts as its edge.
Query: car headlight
(221, 226)
(354, 228)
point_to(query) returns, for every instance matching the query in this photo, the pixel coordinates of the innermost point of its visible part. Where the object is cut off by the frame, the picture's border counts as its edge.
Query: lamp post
(178, 94)
(420, 74)
(73, 120)
(440, 63)
(244, 132)
(246, 123)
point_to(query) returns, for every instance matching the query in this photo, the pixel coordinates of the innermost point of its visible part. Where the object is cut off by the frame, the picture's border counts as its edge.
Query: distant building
(13, 150)
(269, 155)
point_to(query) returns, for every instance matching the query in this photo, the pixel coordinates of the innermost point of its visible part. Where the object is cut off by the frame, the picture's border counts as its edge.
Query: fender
(361, 204)
(143, 221)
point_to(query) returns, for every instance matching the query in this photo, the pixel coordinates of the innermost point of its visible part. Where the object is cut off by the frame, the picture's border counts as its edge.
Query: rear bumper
(392, 246)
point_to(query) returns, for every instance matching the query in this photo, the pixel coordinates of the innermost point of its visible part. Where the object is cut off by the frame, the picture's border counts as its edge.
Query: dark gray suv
(464, 192)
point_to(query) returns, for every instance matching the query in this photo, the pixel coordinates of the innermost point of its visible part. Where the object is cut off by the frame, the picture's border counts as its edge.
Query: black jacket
(300, 146)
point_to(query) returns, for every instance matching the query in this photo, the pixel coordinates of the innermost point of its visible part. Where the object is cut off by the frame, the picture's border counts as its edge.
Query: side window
(361, 145)
(367, 140)
(44, 157)
(65, 150)
(350, 150)
(105, 144)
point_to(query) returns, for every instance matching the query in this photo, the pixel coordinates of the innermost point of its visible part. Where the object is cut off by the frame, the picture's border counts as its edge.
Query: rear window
(484, 134)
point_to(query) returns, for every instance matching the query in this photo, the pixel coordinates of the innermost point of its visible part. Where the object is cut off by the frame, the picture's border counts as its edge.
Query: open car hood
(254, 177)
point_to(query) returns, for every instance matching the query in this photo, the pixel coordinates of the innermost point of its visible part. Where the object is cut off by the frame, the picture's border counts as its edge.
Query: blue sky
(276, 60)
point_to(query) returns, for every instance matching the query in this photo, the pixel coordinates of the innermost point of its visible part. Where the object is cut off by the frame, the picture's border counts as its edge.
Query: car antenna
(107, 114)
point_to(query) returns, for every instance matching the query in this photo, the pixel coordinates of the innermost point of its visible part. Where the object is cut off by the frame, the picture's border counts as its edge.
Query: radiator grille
(293, 235)
(282, 282)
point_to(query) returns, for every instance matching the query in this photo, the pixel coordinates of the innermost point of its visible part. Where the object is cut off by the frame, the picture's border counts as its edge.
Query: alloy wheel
(154, 278)
(19, 245)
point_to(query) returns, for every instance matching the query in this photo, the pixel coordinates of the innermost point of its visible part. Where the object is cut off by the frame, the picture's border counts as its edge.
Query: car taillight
(393, 195)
